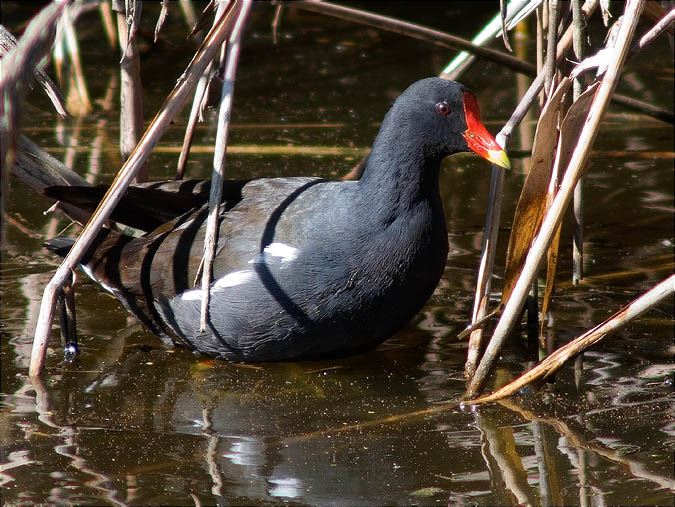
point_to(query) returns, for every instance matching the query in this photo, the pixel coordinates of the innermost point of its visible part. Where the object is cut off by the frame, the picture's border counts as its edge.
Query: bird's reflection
(158, 426)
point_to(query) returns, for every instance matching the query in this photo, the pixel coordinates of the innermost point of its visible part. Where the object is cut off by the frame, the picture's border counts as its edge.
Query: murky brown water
(134, 423)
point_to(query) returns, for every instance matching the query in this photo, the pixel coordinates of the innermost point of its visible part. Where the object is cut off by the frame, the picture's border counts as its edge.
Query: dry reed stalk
(558, 358)
(198, 104)
(108, 23)
(73, 49)
(167, 112)
(192, 122)
(554, 216)
(551, 44)
(161, 19)
(493, 213)
(218, 174)
(578, 235)
(131, 90)
(188, 10)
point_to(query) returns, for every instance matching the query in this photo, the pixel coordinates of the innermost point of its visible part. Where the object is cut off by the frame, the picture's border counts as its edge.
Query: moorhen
(305, 267)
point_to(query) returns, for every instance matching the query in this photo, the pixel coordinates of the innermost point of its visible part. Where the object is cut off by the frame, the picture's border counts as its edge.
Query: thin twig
(218, 174)
(167, 112)
(192, 122)
(161, 19)
(556, 360)
(275, 22)
(572, 173)
(480, 323)
(416, 31)
(644, 107)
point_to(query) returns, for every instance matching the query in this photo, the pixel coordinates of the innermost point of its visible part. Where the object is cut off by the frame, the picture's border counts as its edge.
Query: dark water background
(132, 422)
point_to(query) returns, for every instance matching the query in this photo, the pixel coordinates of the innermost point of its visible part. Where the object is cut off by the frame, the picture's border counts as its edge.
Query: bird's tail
(60, 246)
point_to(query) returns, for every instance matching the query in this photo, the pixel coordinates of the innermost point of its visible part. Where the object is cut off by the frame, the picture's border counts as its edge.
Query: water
(131, 422)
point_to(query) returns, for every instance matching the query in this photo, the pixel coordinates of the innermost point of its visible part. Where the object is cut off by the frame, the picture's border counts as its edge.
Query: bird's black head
(441, 117)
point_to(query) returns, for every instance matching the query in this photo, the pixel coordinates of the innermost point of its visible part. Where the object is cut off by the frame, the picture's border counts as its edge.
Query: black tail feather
(60, 246)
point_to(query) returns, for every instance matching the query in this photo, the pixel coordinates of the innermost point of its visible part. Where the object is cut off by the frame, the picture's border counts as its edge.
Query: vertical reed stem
(131, 88)
(578, 235)
(218, 174)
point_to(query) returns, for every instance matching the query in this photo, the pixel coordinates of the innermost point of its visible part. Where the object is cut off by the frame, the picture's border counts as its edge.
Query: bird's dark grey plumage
(305, 267)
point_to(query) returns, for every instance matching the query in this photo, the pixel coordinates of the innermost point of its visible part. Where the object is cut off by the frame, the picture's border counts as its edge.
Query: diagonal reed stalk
(554, 361)
(167, 112)
(563, 197)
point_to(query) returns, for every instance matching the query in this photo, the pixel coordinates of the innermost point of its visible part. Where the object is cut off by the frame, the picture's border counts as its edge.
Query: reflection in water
(220, 432)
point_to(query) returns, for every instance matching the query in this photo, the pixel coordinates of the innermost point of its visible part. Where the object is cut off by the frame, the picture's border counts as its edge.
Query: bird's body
(304, 267)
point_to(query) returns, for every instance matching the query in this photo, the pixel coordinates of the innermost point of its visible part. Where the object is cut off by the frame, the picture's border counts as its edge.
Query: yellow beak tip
(498, 157)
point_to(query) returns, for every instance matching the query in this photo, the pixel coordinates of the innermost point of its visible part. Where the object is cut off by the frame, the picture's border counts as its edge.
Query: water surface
(132, 422)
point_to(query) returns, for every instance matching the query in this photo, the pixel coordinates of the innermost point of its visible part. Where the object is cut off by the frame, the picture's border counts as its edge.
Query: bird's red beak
(478, 139)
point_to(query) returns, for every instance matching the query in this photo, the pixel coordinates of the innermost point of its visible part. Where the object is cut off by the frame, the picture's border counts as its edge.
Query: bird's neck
(398, 174)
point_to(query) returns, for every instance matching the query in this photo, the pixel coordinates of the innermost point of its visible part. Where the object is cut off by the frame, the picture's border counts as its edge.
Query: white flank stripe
(287, 253)
(230, 280)
(192, 295)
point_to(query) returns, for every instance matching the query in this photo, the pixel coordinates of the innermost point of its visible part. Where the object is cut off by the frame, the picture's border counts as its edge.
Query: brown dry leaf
(571, 127)
(532, 202)
(569, 133)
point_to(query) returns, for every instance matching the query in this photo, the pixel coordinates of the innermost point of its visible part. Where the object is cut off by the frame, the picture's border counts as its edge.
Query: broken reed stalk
(415, 31)
(558, 358)
(492, 216)
(167, 112)
(218, 174)
(562, 198)
(661, 26)
(131, 92)
(163, 13)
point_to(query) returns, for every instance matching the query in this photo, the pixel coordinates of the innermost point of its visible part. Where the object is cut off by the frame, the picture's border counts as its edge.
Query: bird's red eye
(443, 108)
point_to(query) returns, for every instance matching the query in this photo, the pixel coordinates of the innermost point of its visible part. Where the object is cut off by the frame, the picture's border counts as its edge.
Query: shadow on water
(134, 423)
